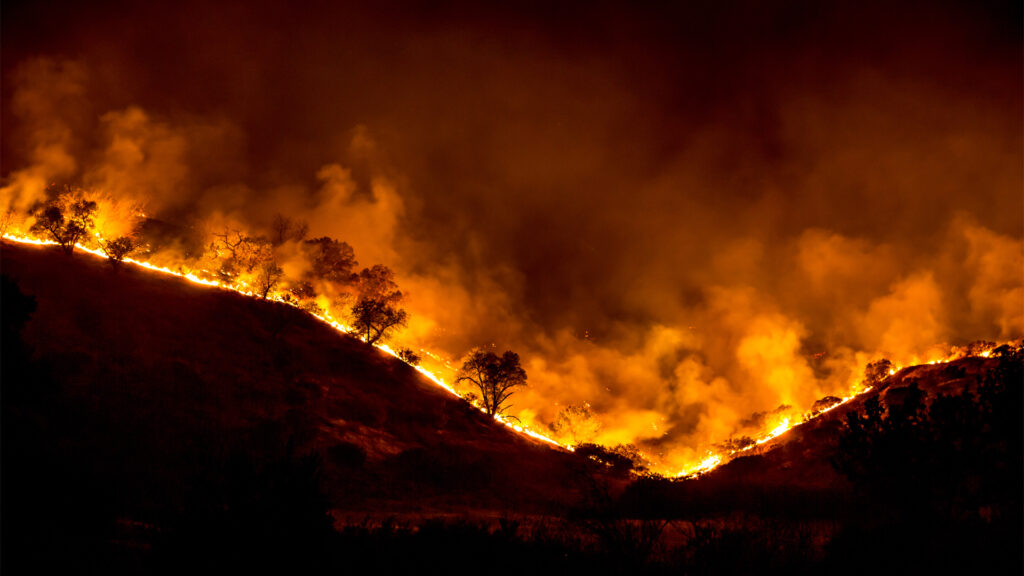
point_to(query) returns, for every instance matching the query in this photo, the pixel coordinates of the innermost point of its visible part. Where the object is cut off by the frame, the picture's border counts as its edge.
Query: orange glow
(242, 288)
(708, 462)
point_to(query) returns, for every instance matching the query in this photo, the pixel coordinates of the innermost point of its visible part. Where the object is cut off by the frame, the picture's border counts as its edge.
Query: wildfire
(711, 460)
(325, 317)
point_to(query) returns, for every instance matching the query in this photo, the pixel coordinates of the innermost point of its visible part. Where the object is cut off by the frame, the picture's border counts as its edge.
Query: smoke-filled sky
(680, 215)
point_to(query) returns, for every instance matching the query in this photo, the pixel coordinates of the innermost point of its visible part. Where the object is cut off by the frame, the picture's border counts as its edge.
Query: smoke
(683, 219)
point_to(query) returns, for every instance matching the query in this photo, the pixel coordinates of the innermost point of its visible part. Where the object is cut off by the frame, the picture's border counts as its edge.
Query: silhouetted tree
(374, 319)
(331, 260)
(376, 313)
(622, 458)
(577, 422)
(496, 377)
(825, 403)
(876, 372)
(117, 249)
(240, 252)
(267, 276)
(66, 219)
(286, 229)
(409, 356)
(937, 485)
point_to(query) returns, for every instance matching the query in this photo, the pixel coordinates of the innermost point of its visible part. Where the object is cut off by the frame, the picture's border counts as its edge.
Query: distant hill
(149, 382)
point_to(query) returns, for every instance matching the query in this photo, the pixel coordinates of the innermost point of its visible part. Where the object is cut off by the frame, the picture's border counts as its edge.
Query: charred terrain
(152, 425)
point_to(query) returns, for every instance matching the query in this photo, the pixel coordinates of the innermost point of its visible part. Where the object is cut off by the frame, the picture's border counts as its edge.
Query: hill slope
(802, 456)
(144, 383)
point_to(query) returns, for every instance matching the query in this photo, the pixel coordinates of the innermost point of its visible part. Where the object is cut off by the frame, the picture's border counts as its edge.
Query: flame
(243, 289)
(711, 460)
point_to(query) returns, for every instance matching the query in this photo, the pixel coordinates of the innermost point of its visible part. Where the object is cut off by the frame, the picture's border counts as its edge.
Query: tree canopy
(496, 377)
(66, 219)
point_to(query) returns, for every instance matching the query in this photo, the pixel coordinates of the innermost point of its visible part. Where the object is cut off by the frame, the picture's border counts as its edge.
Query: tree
(376, 313)
(285, 229)
(117, 249)
(876, 372)
(409, 356)
(374, 319)
(825, 403)
(331, 260)
(66, 219)
(622, 459)
(267, 276)
(240, 251)
(577, 422)
(496, 377)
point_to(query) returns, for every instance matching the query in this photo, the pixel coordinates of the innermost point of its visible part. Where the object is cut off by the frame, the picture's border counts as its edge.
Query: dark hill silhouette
(802, 456)
(151, 382)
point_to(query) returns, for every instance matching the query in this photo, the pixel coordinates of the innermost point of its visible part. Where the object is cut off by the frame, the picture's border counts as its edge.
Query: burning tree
(376, 313)
(577, 422)
(495, 377)
(66, 219)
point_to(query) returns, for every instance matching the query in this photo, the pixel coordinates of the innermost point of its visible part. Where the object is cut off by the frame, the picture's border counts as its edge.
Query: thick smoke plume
(684, 219)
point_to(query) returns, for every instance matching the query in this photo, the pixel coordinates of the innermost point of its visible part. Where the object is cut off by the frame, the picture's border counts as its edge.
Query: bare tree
(286, 229)
(240, 252)
(267, 277)
(67, 219)
(496, 377)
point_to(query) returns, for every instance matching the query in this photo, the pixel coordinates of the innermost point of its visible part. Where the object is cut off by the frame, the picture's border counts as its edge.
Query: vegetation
(117, 249)
(876, 372)
(376, 314)
(67, 219)
(495, 377)
(239, 252)
(286, 229)
(946, 472)
(622, 459)
(267, 277)
(409, 356)
(330, 261)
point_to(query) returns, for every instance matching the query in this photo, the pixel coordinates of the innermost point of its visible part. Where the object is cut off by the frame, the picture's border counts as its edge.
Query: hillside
(802, 456)
(144, 384)
(150, 423)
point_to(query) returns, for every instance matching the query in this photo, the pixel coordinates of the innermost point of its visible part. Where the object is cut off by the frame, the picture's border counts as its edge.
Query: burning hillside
(180, 365)
(665, 237)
